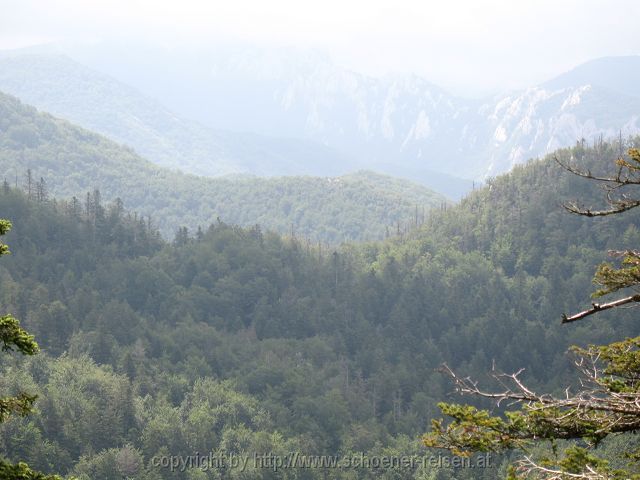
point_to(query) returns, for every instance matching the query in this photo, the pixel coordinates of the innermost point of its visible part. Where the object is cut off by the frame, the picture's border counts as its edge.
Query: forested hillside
(242, 340)
(362, 206)
(98, 102)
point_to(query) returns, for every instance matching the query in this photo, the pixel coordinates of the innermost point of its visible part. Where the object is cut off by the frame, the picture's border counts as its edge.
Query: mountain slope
(617, 74)
(57, 84)
(73, 160)
(401, 122)
(54, 83)
(241, 341)
(402, 125)
(542, 119)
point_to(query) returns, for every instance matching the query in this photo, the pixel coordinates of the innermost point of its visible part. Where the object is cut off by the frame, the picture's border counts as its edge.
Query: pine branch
(627, 175)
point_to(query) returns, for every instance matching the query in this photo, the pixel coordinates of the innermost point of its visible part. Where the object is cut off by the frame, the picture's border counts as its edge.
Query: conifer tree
(607, 401)
(14, 338)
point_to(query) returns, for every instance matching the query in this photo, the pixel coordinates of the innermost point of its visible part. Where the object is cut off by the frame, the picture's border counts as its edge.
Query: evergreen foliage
(238, 339)
(69, 160)
(13, 337)
(601, 404)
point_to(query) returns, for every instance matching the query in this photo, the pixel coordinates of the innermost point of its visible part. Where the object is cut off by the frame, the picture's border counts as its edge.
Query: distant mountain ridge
(59, 85)
(400, 124)
(617, 74)
(362, 206)
(55, 83)
(334, 120)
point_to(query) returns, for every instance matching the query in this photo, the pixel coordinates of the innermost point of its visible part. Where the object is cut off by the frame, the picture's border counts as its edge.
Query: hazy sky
(468, 47)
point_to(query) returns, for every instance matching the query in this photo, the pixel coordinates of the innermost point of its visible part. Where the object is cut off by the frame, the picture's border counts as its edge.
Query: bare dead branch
(527, 467)
(618, 207)
(598, 307)
(611, 184)
(619, 179)
(594, 404)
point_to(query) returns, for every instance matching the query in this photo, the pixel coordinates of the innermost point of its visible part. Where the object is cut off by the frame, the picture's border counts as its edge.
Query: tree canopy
(15, 338)
(242, 339)
(605, 400)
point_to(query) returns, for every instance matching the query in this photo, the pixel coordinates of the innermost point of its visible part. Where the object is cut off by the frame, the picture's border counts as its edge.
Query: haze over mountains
(57, 84)
(309, 116)
(399, 124)
(72, 161)
(255, 262)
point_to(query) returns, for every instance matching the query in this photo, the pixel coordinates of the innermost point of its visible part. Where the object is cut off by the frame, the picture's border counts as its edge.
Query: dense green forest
(241, 340)
(360, 206)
